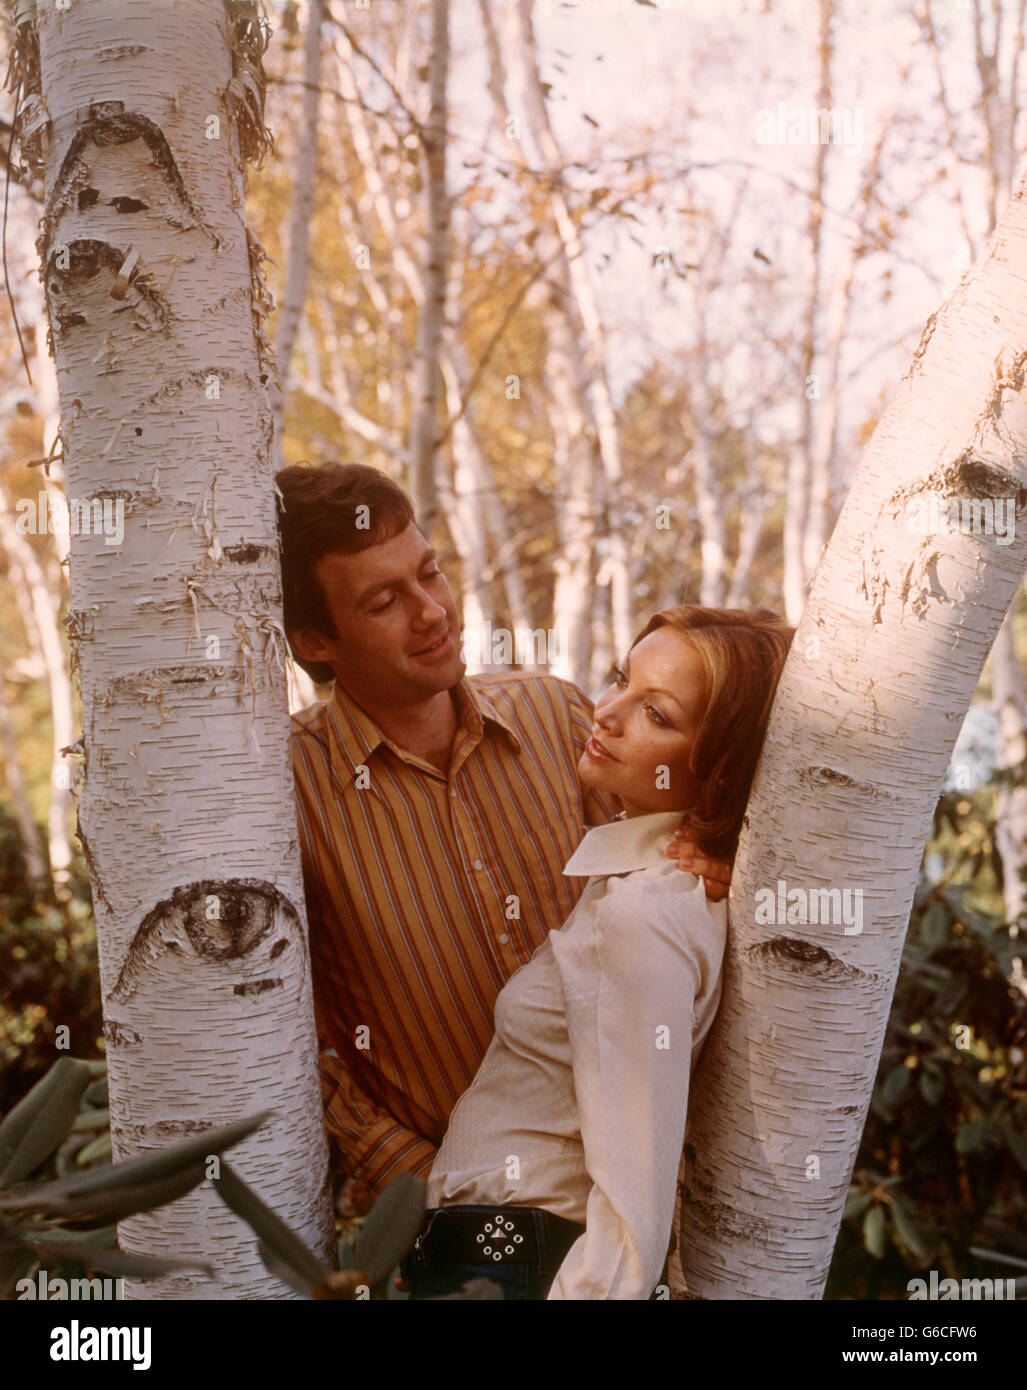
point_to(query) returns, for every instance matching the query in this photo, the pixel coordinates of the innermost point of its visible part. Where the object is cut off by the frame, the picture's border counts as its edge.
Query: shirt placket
(478, 857)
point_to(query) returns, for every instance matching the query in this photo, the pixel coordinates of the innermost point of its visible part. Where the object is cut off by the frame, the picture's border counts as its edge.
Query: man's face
(396, 622)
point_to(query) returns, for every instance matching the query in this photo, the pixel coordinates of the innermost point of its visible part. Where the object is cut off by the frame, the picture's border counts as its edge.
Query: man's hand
(716, 872)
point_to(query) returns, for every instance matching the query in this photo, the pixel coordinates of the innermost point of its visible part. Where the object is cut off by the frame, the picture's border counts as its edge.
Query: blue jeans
(516, 1280)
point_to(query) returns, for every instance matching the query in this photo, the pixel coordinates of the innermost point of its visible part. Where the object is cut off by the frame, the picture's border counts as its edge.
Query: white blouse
(579, 1105)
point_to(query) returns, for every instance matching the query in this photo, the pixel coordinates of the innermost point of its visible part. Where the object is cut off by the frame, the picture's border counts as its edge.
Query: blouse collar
(623, 845)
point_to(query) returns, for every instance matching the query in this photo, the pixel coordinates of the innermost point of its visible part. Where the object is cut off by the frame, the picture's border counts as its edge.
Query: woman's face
(644, 725)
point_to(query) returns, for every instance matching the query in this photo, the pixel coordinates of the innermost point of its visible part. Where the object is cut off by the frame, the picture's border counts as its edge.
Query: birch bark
(425, 404)
(885, 660)
(140, 117)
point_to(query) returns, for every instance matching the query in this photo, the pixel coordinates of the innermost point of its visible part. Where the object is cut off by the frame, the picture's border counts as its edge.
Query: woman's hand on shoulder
(715, 872)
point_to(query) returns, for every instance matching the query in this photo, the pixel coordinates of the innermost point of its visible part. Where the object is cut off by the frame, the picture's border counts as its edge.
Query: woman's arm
(630, 981)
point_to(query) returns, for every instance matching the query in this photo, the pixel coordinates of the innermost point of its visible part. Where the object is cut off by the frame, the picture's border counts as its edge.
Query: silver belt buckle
(499, 1239)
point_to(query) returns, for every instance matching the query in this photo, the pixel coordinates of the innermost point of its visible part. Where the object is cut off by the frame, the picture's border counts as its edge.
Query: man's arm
(367, 1145)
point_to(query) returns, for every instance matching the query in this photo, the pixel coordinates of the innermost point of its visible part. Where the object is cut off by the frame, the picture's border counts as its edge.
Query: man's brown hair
(742, 653)
(324, 509)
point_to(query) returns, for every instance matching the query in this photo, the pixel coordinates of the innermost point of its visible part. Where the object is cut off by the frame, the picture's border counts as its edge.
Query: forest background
(670, 317)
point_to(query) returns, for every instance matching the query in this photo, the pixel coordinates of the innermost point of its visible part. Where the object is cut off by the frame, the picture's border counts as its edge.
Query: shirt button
(503, 938)
(478, 864)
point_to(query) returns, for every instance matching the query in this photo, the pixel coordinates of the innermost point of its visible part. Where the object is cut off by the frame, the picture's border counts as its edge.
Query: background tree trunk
(39, 596)
(37, 873)
(593, 371)
(44, 582)
(884, 663)
(186, 815)
(425, 405)
(1011, 802)
(301, 217)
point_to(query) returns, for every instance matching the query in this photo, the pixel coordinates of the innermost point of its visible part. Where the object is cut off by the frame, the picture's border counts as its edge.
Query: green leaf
(932, 1084)
(86, 1120)
(38, 1123)
(971, 1137)
(65, 1155)
(104, 1235)
(856, 1203)
(1018, 1146)
(96, 1093)
(114, 1261)
(137, 1172)
(15, 1263)
(115, 1202)
(913, 1234)
(934, 925)
(100, 1147)
(282, 1269)
(875, 1231)
(896, 1085)
(390, 1227)
(272, 1230)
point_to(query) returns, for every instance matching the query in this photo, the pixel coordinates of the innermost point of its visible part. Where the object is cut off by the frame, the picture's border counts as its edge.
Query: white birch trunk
(1000, 113)
(45, 574)
(884, 663)
(708, 505)
(41, 600)
(425, 395)
(805, 505)
(186, 814)
(466, 521)
(457, 373)
(574, 468)
(1011, 804)
(753, 501)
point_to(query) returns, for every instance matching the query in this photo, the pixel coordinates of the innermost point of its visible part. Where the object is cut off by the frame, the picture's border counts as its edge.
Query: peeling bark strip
(136, 115)
(884, 664)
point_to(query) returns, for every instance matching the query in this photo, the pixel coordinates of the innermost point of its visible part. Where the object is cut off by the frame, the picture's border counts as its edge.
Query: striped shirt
(426, 890)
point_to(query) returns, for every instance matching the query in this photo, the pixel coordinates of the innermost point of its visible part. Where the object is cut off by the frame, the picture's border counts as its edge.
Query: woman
(557, 1174)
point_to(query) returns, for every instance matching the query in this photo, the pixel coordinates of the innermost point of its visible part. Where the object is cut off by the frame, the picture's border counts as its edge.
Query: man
(436, 813)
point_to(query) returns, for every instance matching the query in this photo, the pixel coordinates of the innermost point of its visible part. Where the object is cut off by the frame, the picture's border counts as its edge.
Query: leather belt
(494, 1235)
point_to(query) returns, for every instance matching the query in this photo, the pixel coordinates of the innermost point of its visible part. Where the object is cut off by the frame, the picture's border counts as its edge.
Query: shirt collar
(355, 735)
(476, 707)
(636, 842)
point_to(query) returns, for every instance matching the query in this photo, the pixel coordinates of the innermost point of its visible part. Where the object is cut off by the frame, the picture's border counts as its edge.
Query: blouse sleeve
(630, 982)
